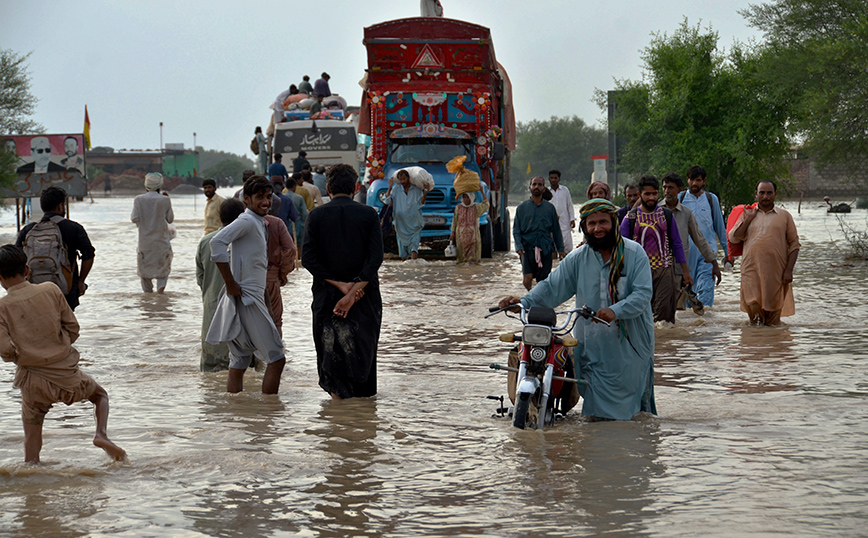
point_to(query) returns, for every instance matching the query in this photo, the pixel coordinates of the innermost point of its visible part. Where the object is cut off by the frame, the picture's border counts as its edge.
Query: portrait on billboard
(45, 160)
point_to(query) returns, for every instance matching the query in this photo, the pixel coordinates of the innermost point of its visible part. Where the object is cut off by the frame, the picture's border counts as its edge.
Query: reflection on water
(761, 430)
(348, 495)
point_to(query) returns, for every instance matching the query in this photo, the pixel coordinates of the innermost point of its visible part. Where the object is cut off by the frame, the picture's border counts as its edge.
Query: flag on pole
(86, 129)
(528, 168)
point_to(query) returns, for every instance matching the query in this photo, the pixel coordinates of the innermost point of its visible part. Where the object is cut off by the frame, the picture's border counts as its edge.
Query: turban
(599, 184)
(153, 181)
(616, 264)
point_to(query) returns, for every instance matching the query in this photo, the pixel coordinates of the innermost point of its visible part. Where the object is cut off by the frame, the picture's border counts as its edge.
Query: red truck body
(437, 80)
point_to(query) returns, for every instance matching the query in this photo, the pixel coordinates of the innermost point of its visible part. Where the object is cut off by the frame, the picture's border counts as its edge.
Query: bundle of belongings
(466, 181)
(419, 177)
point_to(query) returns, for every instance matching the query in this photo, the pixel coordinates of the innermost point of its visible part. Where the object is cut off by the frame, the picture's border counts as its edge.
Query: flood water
(762, 431)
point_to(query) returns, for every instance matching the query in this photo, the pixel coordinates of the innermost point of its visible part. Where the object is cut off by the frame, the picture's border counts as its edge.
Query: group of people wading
(630, 268)
(636, 264)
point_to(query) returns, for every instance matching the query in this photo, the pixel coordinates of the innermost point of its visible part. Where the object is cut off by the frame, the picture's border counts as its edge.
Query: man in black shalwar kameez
(343, 249)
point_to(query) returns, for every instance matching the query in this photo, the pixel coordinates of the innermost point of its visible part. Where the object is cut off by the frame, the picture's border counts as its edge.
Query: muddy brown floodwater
(762, 431)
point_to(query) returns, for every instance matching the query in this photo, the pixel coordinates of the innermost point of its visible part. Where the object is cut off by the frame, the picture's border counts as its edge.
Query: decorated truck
(434, 91)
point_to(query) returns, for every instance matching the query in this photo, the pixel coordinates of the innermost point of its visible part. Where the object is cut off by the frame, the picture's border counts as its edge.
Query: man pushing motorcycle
(611, 275)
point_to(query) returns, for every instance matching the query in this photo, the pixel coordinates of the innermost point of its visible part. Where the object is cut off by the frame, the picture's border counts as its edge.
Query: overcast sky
(214, 67)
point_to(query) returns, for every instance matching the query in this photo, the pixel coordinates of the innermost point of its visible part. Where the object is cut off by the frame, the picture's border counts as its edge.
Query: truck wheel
(501, 236)
(487, 233)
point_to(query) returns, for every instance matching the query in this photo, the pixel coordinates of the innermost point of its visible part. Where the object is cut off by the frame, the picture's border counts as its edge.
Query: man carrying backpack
(53, 246)
(706, 209)
(654, 228)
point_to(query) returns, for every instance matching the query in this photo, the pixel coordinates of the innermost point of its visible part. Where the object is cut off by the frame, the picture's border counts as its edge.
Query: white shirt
(563, 203)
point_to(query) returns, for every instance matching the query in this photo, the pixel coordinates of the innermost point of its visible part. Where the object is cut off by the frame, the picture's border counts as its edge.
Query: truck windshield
(427, 150)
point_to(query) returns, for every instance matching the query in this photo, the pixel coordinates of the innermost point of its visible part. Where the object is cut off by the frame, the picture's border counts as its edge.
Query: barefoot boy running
(37, 329)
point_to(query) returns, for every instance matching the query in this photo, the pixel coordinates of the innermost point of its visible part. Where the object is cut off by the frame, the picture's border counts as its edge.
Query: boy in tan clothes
(37, 329)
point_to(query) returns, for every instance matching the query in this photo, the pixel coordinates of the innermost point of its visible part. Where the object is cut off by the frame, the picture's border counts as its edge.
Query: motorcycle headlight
(536, 335)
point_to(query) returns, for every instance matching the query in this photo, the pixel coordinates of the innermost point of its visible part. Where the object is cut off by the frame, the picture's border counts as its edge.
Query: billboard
(44, 160)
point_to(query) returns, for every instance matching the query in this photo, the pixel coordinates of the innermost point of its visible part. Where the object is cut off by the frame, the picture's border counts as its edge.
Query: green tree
(814, 57)
(226, 168)
(699, 105)
(16, 105)
(565, 144)
(210, 157)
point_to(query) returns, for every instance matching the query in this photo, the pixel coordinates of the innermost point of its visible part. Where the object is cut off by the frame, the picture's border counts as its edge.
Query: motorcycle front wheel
(519, 415)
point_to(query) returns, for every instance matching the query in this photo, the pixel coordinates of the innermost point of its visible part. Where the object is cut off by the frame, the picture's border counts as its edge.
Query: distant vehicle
(326, 142)
(435, 91)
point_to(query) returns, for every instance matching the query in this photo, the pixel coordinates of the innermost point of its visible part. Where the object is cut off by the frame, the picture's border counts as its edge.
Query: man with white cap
(152, 213)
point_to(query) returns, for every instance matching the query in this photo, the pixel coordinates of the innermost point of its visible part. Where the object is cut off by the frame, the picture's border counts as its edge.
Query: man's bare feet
(114, 451)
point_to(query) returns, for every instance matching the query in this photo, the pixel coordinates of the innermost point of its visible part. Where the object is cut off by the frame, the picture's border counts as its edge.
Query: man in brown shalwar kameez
(771, 246)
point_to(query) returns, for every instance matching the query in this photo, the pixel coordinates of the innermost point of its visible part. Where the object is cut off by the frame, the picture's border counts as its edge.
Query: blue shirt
(406, 209)
(277, 169)
(537, 226)
(709, 218)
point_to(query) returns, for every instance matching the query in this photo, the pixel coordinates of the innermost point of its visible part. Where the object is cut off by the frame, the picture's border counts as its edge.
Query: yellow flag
(528, 168)
(86, 129)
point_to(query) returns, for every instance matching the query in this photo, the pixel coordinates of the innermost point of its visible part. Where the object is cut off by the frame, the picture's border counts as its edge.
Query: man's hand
(572, 224)
(344, 305)
(345, 287)
(506, 301)
(686, 280)
(749, 213)
(562, 255)
(233, 288)
(605, 314)
(82, 287)
(715, 273)
(520, 253)
(788, 276)
(391, 181)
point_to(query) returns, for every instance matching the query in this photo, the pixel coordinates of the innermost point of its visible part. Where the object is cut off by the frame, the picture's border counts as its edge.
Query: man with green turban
(612, 276)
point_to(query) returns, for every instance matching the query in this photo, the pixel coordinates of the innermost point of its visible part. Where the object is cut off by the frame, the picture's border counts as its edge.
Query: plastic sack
(450, 251)
(466, 181)
(419, 177)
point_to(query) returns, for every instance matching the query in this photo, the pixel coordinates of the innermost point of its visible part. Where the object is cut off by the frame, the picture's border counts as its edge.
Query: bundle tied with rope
(466, 181)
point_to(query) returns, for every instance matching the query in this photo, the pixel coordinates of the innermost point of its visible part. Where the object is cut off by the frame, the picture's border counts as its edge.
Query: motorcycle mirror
(569, 341)
(507, 337)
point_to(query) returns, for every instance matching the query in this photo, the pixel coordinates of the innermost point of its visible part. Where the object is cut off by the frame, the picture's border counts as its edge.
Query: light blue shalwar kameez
(710, 220)
(407, 216)
(619, 371)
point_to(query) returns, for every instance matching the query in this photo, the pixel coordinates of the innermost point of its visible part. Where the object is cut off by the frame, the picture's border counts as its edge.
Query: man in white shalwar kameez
(152, 213)
(242, 318)
(563, 202)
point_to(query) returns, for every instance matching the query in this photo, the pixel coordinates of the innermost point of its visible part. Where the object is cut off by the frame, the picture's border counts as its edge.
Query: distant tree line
(740, 112)
(564, 144)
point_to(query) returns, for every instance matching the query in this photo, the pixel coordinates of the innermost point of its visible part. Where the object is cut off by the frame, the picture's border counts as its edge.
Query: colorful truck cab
(434, 91)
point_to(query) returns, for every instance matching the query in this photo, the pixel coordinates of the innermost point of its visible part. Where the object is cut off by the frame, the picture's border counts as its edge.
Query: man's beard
(604, 243)
(649, 208)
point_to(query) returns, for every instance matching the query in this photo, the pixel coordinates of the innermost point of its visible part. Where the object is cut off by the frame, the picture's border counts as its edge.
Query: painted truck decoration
(435, 91)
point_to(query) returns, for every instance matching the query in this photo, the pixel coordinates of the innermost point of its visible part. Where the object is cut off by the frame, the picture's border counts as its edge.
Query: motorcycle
(544, 378)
